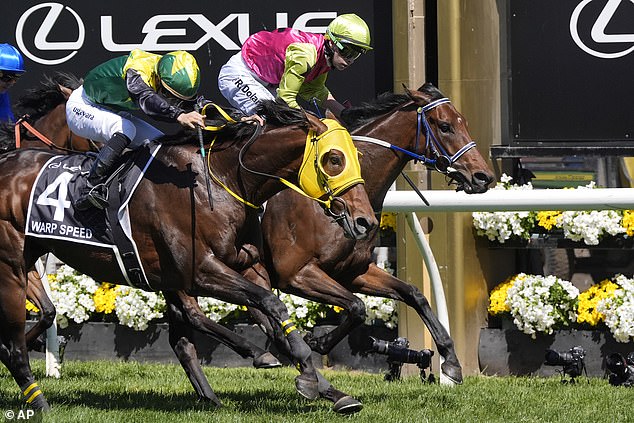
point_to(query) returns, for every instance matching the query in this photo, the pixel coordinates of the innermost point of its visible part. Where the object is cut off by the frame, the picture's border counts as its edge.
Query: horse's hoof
(266, 360)
(450, 375)
(214, 400)
(347, 405)
(308, 388)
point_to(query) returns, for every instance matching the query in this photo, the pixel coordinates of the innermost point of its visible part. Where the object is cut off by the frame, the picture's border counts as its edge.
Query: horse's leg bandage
(32, 392)
(288, 326)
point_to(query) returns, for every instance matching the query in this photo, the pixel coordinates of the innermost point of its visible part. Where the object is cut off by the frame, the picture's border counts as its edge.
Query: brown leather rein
(22, 122)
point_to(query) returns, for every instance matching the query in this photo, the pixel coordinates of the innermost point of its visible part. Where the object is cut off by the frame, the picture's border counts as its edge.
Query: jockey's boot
(95, 193)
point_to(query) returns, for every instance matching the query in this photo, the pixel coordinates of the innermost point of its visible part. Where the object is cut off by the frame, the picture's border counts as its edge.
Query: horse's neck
(380, 166)
(277, 153)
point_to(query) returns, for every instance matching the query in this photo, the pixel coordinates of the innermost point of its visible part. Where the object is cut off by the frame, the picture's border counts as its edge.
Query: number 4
(60, 202)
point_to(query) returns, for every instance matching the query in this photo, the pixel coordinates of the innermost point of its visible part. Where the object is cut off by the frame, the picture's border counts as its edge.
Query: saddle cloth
(51, 213)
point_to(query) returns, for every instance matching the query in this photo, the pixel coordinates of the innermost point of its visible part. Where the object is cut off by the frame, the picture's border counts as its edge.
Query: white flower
(619, 310)
(538, 303)
(72, 294)
(135, 308)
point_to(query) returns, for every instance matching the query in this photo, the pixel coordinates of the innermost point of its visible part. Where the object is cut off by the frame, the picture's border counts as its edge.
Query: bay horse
(195, 251)
(306, 256)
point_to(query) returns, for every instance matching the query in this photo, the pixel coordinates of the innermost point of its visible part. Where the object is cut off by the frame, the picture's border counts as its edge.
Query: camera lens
(379, 345)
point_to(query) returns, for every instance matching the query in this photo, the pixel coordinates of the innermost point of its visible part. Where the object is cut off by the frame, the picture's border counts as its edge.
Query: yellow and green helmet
(349, 32)
(179, 74)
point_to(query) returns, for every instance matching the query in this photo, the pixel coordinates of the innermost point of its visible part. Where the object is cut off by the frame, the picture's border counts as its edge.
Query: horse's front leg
(215, 279)
(343, 403)
(312, 283)
(379, 283)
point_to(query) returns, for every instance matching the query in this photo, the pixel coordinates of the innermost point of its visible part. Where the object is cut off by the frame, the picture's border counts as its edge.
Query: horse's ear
(66, 92)
(331, 115)
(314, 122)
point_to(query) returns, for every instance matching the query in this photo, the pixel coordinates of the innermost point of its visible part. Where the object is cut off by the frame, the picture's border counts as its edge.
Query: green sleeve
(300, 58)
(315, 88)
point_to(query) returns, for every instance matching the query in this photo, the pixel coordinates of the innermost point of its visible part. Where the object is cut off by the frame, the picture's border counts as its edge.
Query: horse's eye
(444, 127)
(335, 160)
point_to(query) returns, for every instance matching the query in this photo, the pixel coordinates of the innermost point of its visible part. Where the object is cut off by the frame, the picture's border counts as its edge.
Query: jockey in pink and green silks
(287, 63)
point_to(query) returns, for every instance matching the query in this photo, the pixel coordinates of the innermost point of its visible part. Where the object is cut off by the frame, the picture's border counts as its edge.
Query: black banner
(572, 70)
(74, 36)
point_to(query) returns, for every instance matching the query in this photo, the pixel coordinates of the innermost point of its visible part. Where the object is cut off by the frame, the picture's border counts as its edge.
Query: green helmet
(179, 74)
(349, 32)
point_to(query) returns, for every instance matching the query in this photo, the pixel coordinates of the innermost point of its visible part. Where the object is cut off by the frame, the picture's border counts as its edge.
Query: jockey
(100, 109)
(11, 68)
(285, 63)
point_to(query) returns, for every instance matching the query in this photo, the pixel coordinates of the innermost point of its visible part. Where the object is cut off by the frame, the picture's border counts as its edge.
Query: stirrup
(97, 197)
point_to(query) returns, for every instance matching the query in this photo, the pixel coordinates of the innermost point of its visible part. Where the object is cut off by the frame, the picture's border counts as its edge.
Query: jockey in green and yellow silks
(287, 63)
(100, 108)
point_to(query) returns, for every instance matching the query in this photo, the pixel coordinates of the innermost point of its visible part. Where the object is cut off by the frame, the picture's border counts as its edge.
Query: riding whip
(201, 141)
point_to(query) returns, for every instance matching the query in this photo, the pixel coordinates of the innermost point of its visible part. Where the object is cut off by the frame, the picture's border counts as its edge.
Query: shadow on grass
(270, 401)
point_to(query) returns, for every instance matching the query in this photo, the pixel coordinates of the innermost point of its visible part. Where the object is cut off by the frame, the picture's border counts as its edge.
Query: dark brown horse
(184, 312)
(305, 254)
(191, 249)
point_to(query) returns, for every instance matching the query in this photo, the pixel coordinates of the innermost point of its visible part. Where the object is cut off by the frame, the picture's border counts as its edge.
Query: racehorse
(196, 250)
(183, 311)
(44, 109)
(305, 256)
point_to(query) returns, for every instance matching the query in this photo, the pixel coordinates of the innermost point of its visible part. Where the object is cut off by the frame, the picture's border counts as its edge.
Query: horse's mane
(355, 117)
(276, 114)
(40, 100)
(37, 102)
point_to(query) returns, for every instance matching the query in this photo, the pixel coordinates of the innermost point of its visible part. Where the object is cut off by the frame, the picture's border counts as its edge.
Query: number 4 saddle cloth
(51, 213)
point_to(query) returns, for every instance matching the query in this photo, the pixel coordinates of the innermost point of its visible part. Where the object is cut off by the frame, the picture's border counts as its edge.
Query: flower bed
(542, 304)
(78, 299)
(589, 226)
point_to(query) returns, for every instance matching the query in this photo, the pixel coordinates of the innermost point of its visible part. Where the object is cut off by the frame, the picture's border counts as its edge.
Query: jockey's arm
(150, 101)
(300, 58)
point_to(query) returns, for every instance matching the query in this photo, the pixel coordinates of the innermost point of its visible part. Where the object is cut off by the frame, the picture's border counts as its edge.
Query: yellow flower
(588, 301)
(337, 309)
(628, 222)
(104, 298)
(547, 219)
(497, 299)
(31, 307)
(388, 221)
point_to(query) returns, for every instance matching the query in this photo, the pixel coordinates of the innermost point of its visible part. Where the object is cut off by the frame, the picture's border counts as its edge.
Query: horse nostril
(482, 179)
(365, 225)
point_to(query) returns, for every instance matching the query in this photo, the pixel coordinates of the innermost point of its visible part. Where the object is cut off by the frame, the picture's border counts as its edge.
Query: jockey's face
(7, 79)
(341, 60)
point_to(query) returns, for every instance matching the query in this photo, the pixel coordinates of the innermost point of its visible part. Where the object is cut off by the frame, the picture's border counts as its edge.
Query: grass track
(102, 391)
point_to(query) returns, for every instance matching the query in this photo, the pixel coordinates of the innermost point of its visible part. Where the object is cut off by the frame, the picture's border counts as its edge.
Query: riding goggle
(348, 53)
(8, 77)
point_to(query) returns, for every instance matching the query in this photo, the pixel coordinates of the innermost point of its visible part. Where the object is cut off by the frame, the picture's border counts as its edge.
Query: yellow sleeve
(300, 58)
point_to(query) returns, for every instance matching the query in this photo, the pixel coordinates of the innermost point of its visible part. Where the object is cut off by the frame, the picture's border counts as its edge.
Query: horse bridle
(441, 161)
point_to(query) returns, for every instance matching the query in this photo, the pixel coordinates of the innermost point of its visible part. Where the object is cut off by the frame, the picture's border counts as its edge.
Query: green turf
(131, 392)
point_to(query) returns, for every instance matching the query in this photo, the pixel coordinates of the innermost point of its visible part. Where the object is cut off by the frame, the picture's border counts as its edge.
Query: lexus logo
(624, 42)
(40, 42)
(154, 30)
